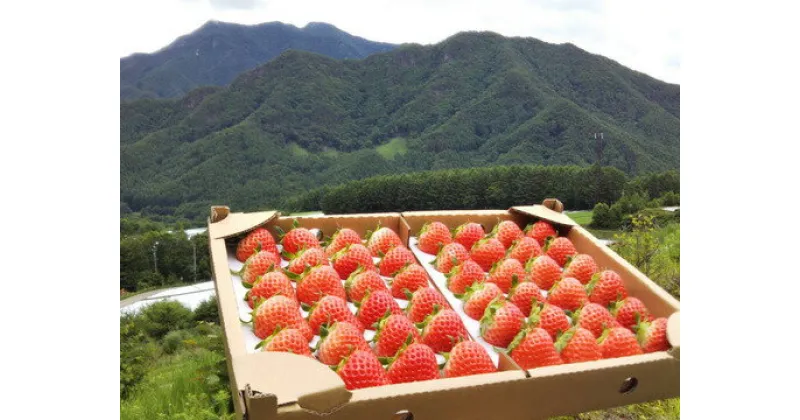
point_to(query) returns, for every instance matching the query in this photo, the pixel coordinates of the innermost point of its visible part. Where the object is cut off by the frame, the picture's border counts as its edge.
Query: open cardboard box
(270, 385)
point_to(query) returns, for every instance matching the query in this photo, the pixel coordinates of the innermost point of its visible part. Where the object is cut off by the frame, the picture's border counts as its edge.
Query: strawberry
(524, 249)
(533, 347)
(442, 330)
(288, 340)
(338, 341)
(468, 233)
(464, 275)
(467, 358)
(392, 332)
(270, 284)
(505, 272)
(316, 282)
(258, 264)
(340, 239)
(606, 287)
(506, 232)
(450, 255)
(382, 240)
(523, 295)
(350, 258)
(413, 362)
(544, 271)
(549, 318)
(567, 294)
(310, 257)
(501, 322)
(627, 310)
(328, 310)
(578, 345)
(424, 302)
(433, 236)
(259, 239)
(374, 306)
(299, 238)
(618, 342)
(361, 369)
(477, 297)
(410, 278)
(581, 267)
(486, 252)
(540, 231)
(652, 335)
(594, 318)
(279, 312)
(361, 281)
(560, 249)
(395, 259)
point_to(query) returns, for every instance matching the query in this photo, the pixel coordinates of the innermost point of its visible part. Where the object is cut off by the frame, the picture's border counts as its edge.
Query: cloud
(233, 4)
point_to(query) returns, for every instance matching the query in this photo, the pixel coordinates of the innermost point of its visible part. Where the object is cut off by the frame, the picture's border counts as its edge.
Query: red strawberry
(269, 285)
(310, 257)
(451, 255)
(442, 330)
(524, 249)
(288, 340)
(350, 258)
(560, 249)
(618, 342)
(257, 240)
(409, 279)
(581, 267)
(258, 264)
(423, 302)
(568, 294)
(338, 341)
(652, 335)
(505, 272)
(468, 233)
(395, 259)
(340, 239)
(501, 322)
(486, 252)
(524, 294)
(594, 318)
(606, 287)
(374, 306)
(328, 310)
(382, 240)
(414, 362)
(532, 348)
(540, 231)
(477, 298)
(317, 282)
(467, 358)
(361, 281)
(507, 232)
(433, 236)
(392, 332)
(627, 310)
(464, 275)
(362, 369)
(279, 312)
(544, 271)
(550, 318)
(578, 345)
(299, 238)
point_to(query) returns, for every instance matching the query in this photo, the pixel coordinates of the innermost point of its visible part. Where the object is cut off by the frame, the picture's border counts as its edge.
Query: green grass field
(583, 217)
(395, 146)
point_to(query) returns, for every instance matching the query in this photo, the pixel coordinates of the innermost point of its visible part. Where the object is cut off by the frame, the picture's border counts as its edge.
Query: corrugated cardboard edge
(674, 334)
(223, 224)
(543, 212)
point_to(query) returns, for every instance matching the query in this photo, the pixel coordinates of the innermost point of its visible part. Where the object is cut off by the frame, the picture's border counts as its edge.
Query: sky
(642, 35)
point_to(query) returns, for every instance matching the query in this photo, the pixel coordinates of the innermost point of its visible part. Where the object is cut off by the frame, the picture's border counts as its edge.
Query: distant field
(583, 218)
(396, 146)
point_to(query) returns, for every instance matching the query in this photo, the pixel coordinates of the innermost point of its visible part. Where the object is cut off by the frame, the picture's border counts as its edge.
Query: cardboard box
(269, 385)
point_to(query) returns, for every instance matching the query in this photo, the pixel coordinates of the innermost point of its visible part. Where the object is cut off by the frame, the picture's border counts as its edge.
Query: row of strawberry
(536, 298)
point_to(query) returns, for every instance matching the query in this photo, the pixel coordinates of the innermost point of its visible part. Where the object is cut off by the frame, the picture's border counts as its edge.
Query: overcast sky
(642, 35)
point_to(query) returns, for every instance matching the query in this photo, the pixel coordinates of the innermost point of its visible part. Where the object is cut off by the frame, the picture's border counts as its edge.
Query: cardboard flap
(674, 334)
(236, 223)
(545, 213)
(325, 402)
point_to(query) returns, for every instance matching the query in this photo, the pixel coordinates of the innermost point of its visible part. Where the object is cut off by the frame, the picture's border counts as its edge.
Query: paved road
(190, 296)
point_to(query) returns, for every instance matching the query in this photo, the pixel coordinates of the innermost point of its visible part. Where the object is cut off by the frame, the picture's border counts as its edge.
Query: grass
(395, 146)
(583, 217)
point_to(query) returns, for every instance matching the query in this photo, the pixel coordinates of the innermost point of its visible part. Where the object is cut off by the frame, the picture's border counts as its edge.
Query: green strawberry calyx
(517, 340)
(563, 339)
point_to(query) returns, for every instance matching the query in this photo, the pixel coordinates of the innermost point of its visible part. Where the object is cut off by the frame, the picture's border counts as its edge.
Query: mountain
(476, 99)
(217, 52)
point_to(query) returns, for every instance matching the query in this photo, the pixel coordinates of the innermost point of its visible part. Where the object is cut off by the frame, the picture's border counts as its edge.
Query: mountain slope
(476, 99)
(217, 52)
